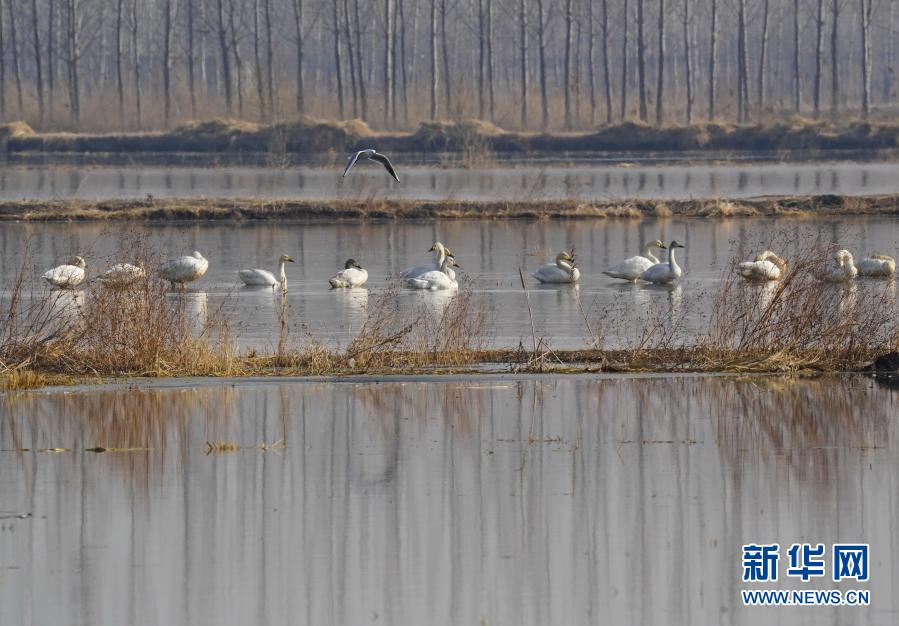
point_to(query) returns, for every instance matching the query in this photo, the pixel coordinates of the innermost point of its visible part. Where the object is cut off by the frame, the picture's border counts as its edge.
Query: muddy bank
(252, 209)
(473, 139)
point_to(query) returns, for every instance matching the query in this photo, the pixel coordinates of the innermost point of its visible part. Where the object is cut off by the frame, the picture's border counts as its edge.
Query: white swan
(562, 271)
(67, 276)
(841, 270)
(631, 268)
(440, 253)
(877, 266)
(121, 275)
(436, 280)
(184, 269)
(264, 278)
(352, 275)
(767, 266)
(663, 273)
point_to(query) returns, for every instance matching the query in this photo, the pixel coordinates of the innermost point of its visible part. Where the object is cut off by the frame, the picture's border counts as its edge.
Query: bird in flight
(371, 155)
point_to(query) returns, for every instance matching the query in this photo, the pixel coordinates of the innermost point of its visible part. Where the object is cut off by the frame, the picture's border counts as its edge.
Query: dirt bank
(230, 209)
(310, 137)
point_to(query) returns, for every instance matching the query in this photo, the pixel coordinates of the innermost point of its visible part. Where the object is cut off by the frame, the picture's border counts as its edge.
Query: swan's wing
(351, 163)
(418, 270)
(383, 160)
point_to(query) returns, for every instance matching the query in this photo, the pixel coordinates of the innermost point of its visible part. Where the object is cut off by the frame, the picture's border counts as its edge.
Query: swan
(440, 252)
(562, 271)
(767, 266)
(121, 275)
(436, 280)
(663, 273)
(264, 278)
(842, 270)
(184, 269)
(352, 275)
(877, 266)
(631, 268)
(67, 276)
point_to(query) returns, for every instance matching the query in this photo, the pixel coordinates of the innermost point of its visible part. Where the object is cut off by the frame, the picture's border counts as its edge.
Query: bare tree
(389, 88)
(191, 45)
(168, 21)
(607, 79)
(624, 74)
(660, 83)
(865, 11)
(335, 18)
(16, 63)
(300, 36)
(569, 34)
(819, 56)
(763, 56)
(835, 8)
(688, 62)
(541, 48)
(119, 60)
(224, 52)
(135, 64)
(435, 78)
(713, 60)
(36, 42)
(523, 57)
(641, 59)
(797, 76)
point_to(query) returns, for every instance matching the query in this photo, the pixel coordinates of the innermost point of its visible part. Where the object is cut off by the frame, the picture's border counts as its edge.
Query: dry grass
(156, 209)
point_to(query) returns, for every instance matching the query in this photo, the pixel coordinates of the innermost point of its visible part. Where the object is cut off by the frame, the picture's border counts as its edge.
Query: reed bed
(795, 324)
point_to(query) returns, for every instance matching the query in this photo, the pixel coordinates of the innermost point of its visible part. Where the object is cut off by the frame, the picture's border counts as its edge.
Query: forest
(529, 65)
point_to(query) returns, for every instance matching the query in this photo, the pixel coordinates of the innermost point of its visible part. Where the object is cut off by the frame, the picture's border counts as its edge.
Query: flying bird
(371, 155)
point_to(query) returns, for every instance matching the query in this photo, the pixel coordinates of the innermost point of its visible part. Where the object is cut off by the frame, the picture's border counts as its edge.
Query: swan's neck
(282, 275)
(565, 266)
(672, 262)
(649, 255)
(439, 257)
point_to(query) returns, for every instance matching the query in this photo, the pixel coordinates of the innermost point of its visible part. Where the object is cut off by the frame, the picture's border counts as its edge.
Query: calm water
(490, 254)
(524, 182)
(496, 501)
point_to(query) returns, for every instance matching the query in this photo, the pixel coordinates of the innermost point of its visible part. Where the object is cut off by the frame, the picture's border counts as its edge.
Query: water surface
(413, 501)
(490, 254)
(598, 181)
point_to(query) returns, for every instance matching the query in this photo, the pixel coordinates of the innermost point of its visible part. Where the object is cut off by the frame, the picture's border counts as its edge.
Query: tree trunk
(569, 33)
(363, 98)
(482, 62)
(491, 86)
(351, 56)
(341, 107)
(298, 22)
(168, 19)
(641, 59)
(388, 60)
(797, 78)
(713, 60)
(819, 57)
(238, 61)
(257, 59)
(223, 50)
(523, 57)
(742, 82)
(447, 79)
(866, 8)
(74, 51)
(763, 57)
(591, 67)
(541, 49)
(51, 57)
(135, 65)
(435, 78)
(606, 65)
(119, 62)
(660, 83)
(688, 61)
(834, 56)
(191, 45)
(2, 66)
(401, 17)
(269, 59)
(624, 63)
(39, 78)
(16, 63)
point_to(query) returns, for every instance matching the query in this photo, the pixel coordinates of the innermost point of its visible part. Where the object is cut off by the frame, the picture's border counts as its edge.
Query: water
(489, 252)
(413, 501)
(599, 181)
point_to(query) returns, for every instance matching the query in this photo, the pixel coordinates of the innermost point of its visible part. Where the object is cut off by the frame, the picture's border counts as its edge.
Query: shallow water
(599, 181)
(489, 252)
(496, 501)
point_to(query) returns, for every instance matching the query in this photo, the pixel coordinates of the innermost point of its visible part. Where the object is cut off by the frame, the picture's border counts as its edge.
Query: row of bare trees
(521, 63)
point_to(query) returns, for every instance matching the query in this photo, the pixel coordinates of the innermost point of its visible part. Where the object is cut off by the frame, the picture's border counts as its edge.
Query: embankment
(310, 137)
(199, 208)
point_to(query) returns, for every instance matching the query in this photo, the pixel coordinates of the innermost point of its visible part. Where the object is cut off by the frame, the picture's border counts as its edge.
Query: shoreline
(214, 209)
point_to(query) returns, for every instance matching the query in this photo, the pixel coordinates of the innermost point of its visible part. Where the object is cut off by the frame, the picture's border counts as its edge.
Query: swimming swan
(877, 266)
(440, 253)
(631, 268)
(562, 271)
(351, 276)
(67, 276)
(264, 278)
(663, 273)
(121, 275)
(436, 280)
(184, 269)
(767, 266)
(842, 270)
